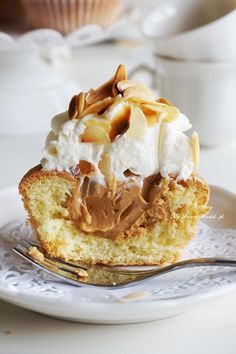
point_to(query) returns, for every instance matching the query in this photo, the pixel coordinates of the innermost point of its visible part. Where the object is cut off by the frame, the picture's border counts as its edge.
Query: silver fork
(81, 274)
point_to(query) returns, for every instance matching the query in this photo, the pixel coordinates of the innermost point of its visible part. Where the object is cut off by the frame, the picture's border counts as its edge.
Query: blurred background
(51, 49)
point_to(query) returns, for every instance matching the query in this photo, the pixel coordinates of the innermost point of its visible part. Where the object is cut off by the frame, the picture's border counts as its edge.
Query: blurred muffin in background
(67, 15)
(12, 16)
(11, 10)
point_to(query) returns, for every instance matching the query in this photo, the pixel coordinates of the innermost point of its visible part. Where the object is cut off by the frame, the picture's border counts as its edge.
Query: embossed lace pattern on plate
(17, 275)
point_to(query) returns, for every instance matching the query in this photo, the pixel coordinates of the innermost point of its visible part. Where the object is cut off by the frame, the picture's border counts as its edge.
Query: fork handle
(197, 262)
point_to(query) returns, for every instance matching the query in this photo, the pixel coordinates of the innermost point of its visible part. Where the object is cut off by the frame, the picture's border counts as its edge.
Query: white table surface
(208, 329)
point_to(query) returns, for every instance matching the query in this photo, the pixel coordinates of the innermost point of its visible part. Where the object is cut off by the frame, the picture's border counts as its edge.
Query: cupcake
(67, 15)
(118, 182)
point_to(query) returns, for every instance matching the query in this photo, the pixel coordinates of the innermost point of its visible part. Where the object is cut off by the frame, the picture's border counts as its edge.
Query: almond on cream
(121, 129)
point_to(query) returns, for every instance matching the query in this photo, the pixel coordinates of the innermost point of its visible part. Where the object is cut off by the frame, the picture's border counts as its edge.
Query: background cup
(196, 30)
(32, 88)
(205, 92)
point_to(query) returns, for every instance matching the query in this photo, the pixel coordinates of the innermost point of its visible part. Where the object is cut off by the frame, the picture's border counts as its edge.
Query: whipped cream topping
(161, 147)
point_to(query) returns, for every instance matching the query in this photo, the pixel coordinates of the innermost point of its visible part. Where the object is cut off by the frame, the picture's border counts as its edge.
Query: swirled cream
(129, 136)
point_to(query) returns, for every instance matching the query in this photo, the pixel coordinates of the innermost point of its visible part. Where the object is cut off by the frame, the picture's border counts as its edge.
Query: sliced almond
(105, 124)
(98, 107)
(153, 107)
(80, 102)
(139, 295)
(138, 91)
(50, 137)
(109, 89)
(72, 111)
(105, 166)
(124, 84)
(129, 173)
(120, 75)
(171, 115)
(58, 120)
(153, 103)
(95, 135)
(165, 101)
(93, 96)
(151, 116)
(138, 124)
(195, 149)
(120, 122)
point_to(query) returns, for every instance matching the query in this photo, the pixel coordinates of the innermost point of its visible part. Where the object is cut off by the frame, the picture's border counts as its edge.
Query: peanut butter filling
(118, 209)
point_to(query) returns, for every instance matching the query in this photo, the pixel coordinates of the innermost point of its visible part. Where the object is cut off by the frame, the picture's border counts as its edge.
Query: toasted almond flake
(120, 122)
(99, 122)
(138, 91)
(153, 107)
(139, 295)
(93, 96)
(50, 137)
(171, 114)
(108, 89)
(165, 101)
(124, 84)
(138, 124)
(105, 166)
(99, 94)
(58, 120)
(129, 173)
(151, 116)
(120, 75)
(36, 254)
(195, 149)
(98, 107)
(95, 135)
(80, 102)
(135, 89)
(72, 111)
(153, 103)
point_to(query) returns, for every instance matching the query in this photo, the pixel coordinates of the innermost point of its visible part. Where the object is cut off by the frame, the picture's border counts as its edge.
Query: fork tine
(77, 265)
(50, 268)
(30, 243)
(55, 262)
(70, 276)
(67, 275)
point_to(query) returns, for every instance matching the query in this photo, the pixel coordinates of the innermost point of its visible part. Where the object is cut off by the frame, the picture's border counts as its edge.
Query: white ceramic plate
(169, 295)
